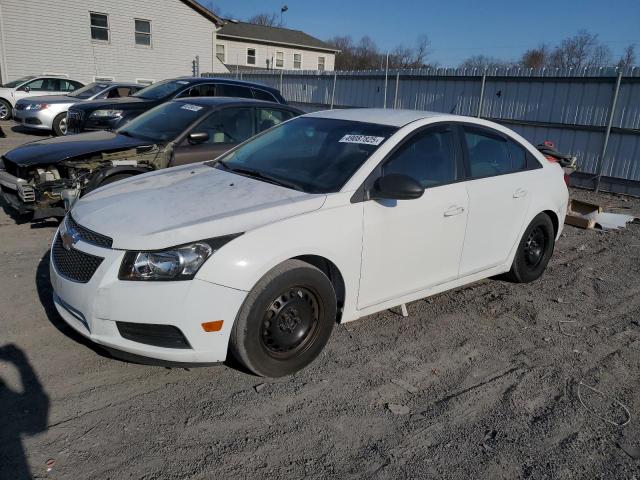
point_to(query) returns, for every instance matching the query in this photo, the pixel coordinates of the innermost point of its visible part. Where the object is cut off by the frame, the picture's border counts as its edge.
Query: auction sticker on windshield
(193, 108)
(366, 139)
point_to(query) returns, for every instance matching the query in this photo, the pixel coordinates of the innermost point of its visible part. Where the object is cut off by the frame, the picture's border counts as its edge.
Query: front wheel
(59, 125)
(5, 110)
(534, 251)
(285, 321)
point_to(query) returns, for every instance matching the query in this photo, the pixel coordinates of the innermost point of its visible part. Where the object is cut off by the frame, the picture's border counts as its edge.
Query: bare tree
(535, 57)
(410, 57)
(484, 62)
(582, 50)
(266, 19)
(628, 58)
(365, 55)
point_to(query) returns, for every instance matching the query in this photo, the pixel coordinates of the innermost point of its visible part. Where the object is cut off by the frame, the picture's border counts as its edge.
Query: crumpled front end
(45, 191)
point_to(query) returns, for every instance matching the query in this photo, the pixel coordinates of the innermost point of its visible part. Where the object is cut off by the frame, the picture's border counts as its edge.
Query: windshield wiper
(261, 176)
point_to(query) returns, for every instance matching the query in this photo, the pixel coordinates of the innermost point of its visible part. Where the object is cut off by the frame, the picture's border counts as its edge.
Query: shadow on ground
(24, 412)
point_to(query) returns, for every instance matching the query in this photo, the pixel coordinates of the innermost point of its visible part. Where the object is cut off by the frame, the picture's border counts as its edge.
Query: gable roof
(205, 12)
(276, 35)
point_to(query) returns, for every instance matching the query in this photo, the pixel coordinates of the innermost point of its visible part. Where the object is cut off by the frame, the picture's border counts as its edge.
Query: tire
(5, 110)
(59, 125)
(285, 321)
(534, 251)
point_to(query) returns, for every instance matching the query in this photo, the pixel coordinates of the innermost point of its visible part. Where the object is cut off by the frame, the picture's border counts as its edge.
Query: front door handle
(519, 193)
(453, 210)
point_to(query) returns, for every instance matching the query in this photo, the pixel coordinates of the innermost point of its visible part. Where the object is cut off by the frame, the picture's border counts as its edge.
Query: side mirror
(198, 137)
(26, 88)
(395, 186)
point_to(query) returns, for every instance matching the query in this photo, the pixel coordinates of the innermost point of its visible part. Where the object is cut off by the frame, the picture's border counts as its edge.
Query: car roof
(231, 81)
(120, 84)
(219, 101)
(380, 116)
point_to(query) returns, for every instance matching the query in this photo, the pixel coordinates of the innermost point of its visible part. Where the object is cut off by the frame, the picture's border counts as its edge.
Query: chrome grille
(90, 236)
(73, 264)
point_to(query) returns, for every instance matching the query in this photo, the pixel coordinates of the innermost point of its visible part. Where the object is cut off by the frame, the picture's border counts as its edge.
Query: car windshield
(160, 90)
(315, 155)
(17, 82)
(88, 91)
(164, 122)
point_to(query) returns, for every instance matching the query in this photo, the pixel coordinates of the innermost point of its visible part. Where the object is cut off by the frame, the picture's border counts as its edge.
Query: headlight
(106, 113)
(37, 106)
(177, 263)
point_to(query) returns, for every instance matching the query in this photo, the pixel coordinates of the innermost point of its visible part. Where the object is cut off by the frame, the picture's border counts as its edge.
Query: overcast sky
(457, 28)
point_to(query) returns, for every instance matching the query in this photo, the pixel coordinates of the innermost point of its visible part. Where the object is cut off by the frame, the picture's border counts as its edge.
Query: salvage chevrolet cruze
(324, 218)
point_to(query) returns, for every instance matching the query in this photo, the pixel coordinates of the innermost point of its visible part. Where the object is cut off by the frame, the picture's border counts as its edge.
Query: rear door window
(227, 90)
(489, 154)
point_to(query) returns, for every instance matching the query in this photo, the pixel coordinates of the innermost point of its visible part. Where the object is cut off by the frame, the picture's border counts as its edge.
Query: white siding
(54, 36)
(236, 54)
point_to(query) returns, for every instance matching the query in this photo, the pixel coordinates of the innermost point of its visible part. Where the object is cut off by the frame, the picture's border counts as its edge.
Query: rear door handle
(454, 210)
(519, 193)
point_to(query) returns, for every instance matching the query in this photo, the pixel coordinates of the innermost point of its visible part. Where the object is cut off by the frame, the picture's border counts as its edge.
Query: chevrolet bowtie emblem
(70, 237)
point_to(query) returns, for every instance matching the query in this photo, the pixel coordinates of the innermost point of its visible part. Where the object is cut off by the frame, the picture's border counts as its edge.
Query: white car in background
(49, 112)
(31, 86)
(324, 218)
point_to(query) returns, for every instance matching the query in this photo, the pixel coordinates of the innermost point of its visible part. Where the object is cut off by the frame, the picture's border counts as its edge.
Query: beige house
(243, 46)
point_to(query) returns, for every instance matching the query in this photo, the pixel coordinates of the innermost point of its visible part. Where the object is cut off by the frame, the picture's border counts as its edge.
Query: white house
(128, 40)
(241, 45)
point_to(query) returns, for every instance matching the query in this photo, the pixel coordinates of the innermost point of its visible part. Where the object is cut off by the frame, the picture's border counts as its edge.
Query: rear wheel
(5, 110)
(534, 251)
(285, 321)
(59, 125)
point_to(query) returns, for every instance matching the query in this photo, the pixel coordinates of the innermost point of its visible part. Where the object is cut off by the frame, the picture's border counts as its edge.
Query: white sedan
(325, 218)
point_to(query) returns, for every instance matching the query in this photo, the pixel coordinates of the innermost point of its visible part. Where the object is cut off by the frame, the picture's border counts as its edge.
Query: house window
(321, 64)
(279, 59)
(297, 61)
(143, 32)
(220, 52)
(251, 56)
(99, 27)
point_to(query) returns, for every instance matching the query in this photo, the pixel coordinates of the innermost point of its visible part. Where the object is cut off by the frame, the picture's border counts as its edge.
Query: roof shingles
(262, 33)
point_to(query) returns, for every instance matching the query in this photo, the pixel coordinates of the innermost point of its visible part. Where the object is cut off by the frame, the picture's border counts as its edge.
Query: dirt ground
(493, 380)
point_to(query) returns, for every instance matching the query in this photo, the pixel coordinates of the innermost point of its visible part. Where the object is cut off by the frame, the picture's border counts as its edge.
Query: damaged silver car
(43, 179)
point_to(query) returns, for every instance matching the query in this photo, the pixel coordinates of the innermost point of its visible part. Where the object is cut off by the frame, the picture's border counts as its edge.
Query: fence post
(386, 81)
(281, 81)
(333, 90)
(607, 134)
(481, 101)
(395, 97)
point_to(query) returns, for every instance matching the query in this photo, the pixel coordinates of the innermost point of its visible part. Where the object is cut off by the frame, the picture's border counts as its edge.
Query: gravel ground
(488, 381)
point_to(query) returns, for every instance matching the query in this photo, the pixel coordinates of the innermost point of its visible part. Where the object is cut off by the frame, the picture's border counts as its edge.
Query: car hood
(57, 149)
(122, 103)
(52, 99)
(185, 204)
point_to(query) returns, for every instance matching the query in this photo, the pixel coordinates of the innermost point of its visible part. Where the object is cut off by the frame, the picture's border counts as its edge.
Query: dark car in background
(42, 179)
(111, 114)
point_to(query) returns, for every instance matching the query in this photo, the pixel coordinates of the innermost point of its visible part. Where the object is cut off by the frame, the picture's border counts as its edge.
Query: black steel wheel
(534, 251)
(285, 321)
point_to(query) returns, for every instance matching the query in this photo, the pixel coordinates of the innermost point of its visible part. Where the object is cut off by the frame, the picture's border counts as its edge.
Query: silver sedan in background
(50, 112)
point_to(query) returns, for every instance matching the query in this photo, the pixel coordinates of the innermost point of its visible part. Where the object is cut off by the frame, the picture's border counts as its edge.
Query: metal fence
(592, 113)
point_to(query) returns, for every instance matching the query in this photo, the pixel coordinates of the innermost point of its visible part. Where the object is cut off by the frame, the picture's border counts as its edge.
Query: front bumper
(94, 308)
(39, 120)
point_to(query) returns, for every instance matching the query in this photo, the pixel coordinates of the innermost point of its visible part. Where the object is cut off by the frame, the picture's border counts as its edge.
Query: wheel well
(554, 219)
(331, 271)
